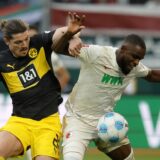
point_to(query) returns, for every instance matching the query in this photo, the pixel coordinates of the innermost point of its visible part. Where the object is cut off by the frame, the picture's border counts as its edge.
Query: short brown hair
(14, 26)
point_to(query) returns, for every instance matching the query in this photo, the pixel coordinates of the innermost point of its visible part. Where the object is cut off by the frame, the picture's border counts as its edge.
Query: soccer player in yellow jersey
(59, 68)
(26, 71)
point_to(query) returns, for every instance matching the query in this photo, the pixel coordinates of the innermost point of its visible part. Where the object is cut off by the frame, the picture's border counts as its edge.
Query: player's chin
(23, 54)
(126, 70)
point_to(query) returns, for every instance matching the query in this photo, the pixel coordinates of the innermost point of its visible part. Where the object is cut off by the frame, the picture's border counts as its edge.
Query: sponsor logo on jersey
(11, 65)
(33, 53)
(28, 76)
(108, 79)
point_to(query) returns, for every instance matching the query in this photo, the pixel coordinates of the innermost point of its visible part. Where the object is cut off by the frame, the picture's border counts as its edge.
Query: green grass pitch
(94, 154)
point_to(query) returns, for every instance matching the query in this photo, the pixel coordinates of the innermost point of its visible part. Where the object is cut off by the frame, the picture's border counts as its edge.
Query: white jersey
(100, 83)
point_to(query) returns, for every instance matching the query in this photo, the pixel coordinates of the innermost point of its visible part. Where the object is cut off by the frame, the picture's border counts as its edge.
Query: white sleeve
(89, 53)
(142, 70)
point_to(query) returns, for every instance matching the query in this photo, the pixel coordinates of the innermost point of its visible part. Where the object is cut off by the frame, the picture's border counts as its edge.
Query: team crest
(33, 53)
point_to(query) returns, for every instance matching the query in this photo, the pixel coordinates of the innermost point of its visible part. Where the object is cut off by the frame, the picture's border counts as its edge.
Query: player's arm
(153, 76)
(75, 45)
(57, 40)
(63, 35)
(72, 47)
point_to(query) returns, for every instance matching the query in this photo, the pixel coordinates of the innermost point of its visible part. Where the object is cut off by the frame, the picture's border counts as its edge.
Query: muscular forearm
(62, 35)
(153, 76)
(61, 45)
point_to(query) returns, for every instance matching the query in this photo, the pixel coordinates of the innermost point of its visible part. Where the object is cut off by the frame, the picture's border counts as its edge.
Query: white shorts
(77, 135)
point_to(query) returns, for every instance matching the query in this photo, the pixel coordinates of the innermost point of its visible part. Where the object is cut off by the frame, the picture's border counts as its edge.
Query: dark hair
(34, 27)
(135, 39)
(13, 26)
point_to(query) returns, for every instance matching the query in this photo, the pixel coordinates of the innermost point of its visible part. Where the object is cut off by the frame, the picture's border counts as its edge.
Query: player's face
(129, 57)
(19, 44)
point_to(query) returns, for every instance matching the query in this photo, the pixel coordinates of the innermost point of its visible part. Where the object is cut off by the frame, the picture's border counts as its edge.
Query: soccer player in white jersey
(105, 73)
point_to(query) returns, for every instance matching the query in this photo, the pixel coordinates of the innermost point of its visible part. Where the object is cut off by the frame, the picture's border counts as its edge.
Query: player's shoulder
(6, 58)
(96, 46)
(90, 52)
(90, 47)
(42, 36)
(5, 55)
(3, 45)
(100, 49)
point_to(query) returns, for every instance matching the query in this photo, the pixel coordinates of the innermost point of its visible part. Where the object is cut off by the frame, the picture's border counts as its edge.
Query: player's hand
(75, 23)
(75, 46)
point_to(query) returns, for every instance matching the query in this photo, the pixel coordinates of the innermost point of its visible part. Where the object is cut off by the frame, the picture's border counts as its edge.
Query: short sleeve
(90, 53)
(142, 70)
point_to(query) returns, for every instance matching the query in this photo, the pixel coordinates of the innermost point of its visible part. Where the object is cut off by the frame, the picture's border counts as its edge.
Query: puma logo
(11, 66)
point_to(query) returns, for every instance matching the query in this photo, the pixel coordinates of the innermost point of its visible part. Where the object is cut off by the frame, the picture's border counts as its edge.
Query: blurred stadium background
(107, 22)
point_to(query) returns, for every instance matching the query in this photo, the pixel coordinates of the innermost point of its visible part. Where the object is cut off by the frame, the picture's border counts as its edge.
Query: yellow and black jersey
(3, 46)
(34, 89)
